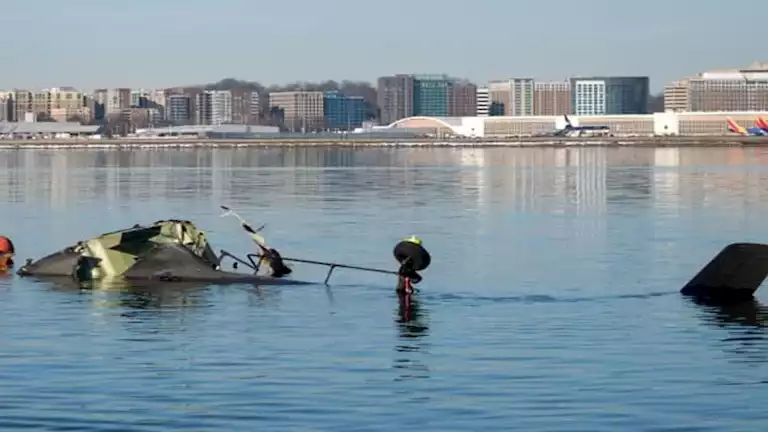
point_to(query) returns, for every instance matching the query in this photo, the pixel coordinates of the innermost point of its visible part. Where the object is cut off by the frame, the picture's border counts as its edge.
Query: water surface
(551, 302)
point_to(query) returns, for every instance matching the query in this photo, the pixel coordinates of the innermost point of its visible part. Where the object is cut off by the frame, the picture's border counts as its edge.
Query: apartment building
(302, 110)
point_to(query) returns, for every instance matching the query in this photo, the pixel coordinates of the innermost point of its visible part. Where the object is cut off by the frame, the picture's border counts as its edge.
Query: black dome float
(413, 257)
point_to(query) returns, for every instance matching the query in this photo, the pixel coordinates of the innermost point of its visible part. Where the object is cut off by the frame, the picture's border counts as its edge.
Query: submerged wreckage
(176, 250)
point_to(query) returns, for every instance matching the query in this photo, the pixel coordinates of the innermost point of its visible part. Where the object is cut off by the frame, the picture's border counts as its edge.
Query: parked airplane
(753, 131)
(575, 131)
(762, 123)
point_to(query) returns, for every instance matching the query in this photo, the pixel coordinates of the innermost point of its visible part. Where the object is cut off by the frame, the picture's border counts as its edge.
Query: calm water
(551, 303)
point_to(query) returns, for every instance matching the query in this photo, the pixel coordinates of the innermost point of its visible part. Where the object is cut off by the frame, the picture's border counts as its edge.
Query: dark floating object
(168, 251)
(412, 258)
(732, 276)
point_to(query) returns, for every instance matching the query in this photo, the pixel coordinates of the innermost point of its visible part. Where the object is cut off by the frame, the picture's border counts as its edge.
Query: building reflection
(525, 179)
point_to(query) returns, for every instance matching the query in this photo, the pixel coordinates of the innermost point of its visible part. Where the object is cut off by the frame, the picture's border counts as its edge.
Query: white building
(589, 97)
(515, 95)
(213, 107)
(483, 101)
(656, 124)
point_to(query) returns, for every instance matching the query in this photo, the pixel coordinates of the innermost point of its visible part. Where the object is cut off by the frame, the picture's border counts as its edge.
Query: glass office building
(431, 95)
(343, 112)
(609, 95)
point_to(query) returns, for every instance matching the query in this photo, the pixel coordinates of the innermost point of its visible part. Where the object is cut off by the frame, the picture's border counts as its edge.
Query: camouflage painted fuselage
(167, 250)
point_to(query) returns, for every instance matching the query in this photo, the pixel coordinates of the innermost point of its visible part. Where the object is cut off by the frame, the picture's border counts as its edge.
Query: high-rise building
(39, 104)
(7, 112)
(302, 110)
(677, 96)
(551, 98)
(395, 98)
(609, 95)
(463, 101)
(213, 107)
(483, 102)
(245, 106)
(343, 112)
(140, 98)
(115, 100)
(178, 109)
(402, 96)
(432, 95)
(255, 105)
(514, 97)
(721, 90)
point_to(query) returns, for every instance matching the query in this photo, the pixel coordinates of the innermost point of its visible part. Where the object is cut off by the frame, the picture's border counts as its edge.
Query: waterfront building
(343, 112)
(511, 97)
(302, 110)
(551, 98)
(38, 104)
(113, 100)
(402, 96)
(140, 98)
(483, 103)
(512, 127)
(463, 98)
(431, 95)
(609, 95)
(395, 98)
(213, 107)
(721, 90)
(245, 106)
(7, 112)
(178, 109)
(677, 96)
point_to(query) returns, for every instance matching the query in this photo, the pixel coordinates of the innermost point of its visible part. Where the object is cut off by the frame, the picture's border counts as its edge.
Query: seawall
(126, 143)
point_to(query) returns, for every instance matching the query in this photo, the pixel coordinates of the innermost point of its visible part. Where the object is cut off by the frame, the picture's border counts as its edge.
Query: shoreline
(125, 143)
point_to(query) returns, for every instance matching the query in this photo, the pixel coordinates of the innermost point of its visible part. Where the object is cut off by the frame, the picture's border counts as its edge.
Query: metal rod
(328, 276)
(330, 264)
(241, 261)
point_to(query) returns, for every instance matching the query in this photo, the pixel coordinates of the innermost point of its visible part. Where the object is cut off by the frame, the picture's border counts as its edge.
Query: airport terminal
(502, 127)
(656, 124)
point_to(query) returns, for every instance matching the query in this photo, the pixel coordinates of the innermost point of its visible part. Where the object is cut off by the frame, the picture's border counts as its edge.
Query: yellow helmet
(413, 239)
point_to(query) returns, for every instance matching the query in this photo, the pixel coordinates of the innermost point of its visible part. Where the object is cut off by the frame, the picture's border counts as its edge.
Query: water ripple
(551, 304)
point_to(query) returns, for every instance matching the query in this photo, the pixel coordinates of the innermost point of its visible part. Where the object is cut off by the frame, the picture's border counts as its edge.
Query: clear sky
(142, 43)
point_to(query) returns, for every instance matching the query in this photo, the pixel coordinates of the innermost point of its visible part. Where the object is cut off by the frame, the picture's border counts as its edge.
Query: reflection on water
(749, 314)
(578, 179)
(134, 294)
(412, 328)
(552, 297)
(746, 325)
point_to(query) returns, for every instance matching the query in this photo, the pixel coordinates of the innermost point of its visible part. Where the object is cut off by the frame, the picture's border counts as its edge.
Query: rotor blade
(251, 232)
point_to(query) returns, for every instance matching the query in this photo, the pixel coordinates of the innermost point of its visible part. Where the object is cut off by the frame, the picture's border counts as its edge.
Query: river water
(551, 303)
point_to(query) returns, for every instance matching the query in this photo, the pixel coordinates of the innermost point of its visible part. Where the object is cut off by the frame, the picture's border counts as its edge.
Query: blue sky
(141, 43)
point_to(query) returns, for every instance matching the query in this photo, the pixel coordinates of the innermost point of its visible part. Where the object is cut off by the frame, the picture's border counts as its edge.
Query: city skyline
(274, 44)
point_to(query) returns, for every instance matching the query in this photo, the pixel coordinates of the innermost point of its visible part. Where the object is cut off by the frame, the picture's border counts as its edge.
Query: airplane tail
(761, 123)
(567, 121)
(732, 276)
(735, 128)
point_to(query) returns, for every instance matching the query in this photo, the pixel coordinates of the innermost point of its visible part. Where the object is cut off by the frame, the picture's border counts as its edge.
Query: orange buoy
(6, 246)
(6, 253)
